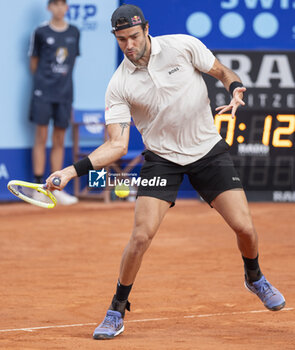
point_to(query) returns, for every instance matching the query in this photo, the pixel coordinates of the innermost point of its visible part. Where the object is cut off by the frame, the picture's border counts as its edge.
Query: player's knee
(244, 229)
(139, 243)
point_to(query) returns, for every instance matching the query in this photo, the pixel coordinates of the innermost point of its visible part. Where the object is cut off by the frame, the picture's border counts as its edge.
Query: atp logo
(83, 15)
(97, 178)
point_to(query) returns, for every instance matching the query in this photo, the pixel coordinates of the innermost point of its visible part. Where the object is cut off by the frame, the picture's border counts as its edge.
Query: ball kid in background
(53, 51)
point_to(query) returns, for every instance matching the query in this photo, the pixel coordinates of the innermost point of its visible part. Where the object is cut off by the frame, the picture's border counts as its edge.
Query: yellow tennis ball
(122, 191)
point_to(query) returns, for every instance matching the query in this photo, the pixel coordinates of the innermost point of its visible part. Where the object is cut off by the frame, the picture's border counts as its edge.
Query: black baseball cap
(132, 15)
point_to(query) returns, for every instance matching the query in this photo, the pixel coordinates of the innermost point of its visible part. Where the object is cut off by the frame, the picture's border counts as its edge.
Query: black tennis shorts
(210, 175)
(42, 111)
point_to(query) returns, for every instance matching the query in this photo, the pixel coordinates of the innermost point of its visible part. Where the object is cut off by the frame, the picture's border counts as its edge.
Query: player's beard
(139, 56)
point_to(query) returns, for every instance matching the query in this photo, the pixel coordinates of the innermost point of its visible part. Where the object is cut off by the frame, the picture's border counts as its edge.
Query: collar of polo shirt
(155, 49)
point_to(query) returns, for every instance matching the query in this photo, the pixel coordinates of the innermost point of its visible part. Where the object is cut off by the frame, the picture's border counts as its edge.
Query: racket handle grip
(56, 181)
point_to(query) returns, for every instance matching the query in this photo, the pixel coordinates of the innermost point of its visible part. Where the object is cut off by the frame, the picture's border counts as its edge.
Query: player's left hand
(235, 102)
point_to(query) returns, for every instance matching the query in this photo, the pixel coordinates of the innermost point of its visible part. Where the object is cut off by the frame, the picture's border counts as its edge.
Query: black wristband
(234, 85)
(83, 166)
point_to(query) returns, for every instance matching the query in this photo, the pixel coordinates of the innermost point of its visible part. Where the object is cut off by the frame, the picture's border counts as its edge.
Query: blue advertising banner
(225, 24)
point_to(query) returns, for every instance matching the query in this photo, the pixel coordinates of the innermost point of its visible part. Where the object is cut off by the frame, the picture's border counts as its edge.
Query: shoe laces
(110, 321)
(265, 290)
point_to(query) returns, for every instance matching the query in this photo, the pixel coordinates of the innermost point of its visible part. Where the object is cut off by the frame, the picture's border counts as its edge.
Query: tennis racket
(33, 193)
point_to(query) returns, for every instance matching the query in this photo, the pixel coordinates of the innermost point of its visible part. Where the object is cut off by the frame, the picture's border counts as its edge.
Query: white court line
(142, 320)
(47, 327)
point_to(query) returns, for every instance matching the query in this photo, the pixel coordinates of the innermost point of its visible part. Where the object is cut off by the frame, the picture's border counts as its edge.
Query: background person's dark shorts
(210, 175)
(42, 111)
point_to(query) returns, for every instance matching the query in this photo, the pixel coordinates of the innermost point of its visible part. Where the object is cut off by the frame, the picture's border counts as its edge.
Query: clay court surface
(59, 269)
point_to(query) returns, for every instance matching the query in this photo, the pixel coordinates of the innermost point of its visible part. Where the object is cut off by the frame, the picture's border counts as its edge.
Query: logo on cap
(136, 20)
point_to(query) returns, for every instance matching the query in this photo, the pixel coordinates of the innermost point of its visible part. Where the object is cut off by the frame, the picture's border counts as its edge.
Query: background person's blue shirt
(56, 51)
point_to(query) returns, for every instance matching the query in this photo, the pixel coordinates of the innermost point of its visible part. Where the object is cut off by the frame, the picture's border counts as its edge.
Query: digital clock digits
(263, 150)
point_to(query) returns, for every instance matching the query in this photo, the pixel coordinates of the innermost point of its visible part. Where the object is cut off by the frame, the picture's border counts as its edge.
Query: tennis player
(160, 84)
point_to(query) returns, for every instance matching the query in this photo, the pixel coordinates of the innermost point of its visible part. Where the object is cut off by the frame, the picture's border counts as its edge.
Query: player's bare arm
(227, 76)
(113, 149)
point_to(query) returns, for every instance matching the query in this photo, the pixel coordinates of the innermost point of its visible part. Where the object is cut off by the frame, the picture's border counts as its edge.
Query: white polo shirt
(168, 99)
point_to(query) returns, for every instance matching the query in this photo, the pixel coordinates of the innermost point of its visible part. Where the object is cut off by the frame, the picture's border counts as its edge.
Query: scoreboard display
(262, 134)
(263, 150)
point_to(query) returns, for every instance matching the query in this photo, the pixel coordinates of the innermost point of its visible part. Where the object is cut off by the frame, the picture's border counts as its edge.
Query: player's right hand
(65, 175)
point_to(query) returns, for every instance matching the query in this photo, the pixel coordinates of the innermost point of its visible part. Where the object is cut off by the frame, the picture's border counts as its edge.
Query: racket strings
(33, 194)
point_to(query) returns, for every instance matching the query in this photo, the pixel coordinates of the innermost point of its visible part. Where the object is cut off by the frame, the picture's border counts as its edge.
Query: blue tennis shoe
(269, 295)
(111, 326)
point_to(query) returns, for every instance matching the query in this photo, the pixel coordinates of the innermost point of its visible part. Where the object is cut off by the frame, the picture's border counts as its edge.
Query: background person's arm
(34, 60)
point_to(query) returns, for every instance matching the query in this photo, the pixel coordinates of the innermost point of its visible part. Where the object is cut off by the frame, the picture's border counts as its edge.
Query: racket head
(32, 193)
